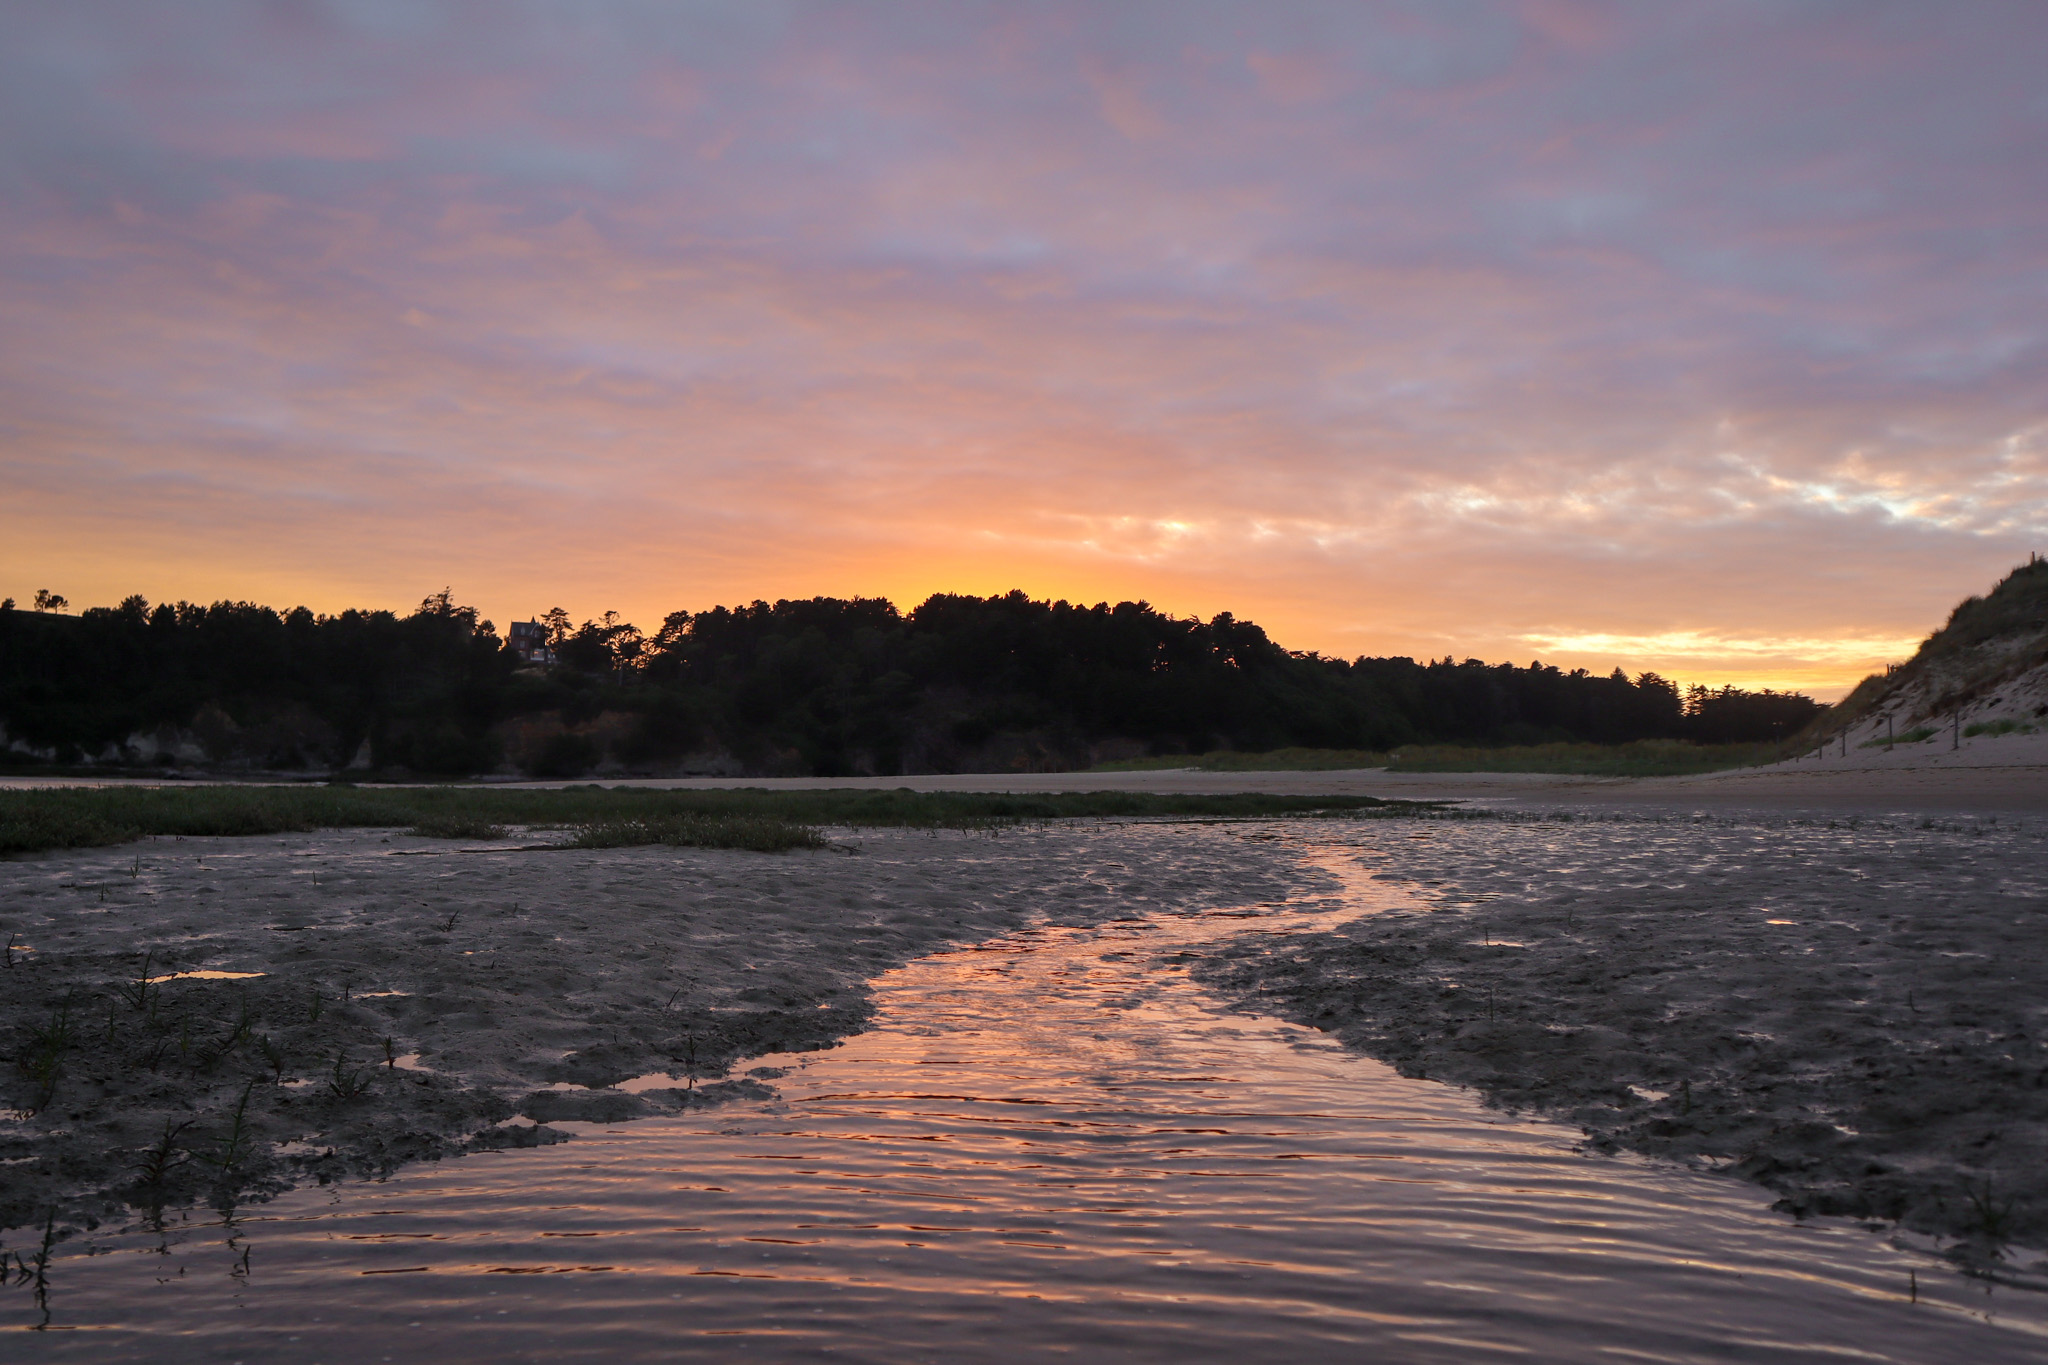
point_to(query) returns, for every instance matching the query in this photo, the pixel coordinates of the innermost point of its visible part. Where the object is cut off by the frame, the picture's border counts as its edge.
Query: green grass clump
(759, 833)
(2003, 726)
(83, 817)
(1232, 761)
(1642, 758)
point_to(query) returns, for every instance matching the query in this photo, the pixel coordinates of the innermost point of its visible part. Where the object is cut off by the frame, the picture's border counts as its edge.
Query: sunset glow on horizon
(1702, 340)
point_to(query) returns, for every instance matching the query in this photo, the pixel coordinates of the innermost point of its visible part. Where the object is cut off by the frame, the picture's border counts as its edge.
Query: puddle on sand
(1050, 1144)
(208, 975)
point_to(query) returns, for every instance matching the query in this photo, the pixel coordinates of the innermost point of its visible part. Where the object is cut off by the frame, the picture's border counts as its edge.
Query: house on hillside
(529, 640)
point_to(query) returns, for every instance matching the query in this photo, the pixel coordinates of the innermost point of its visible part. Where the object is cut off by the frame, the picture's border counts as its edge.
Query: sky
(1703, 339)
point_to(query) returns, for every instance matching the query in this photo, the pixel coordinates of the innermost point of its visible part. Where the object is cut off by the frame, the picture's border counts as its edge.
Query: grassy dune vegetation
(1983, 645)
(83, 817)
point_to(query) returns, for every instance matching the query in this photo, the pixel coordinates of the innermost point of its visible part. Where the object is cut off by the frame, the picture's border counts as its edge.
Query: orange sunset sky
(1702, 339)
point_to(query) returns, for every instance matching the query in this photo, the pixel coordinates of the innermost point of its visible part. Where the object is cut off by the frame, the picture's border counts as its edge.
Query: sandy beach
(1985, 773)
(1789, 788)
(2010, 778)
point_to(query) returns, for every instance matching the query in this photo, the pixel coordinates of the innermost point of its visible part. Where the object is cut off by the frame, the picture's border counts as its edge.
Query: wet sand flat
(1047, 1143)
(1852, 1011)
(211, 1019)
(1845, 1008)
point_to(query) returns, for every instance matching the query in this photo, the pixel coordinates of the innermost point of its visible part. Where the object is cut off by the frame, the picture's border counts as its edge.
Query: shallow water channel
(1051, 1143)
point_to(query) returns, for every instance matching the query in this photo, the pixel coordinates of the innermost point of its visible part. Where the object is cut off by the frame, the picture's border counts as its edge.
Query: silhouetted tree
(818, 685)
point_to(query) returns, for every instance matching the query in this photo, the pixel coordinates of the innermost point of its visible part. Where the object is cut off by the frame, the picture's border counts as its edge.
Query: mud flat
(1853, 1012)
(217, 1019)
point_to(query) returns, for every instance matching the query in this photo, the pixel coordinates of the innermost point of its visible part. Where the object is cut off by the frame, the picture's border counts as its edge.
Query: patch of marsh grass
(757, 833)
(84, 817)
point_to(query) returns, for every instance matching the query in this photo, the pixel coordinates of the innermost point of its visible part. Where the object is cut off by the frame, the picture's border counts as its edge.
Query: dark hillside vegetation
(816, 687)
(2017, 605)
(237, 684)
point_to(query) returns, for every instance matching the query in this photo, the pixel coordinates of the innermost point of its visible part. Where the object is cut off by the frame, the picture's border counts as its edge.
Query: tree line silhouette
(819, 686)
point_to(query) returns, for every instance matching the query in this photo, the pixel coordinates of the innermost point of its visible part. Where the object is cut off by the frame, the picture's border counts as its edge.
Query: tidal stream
(1050, 1144)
